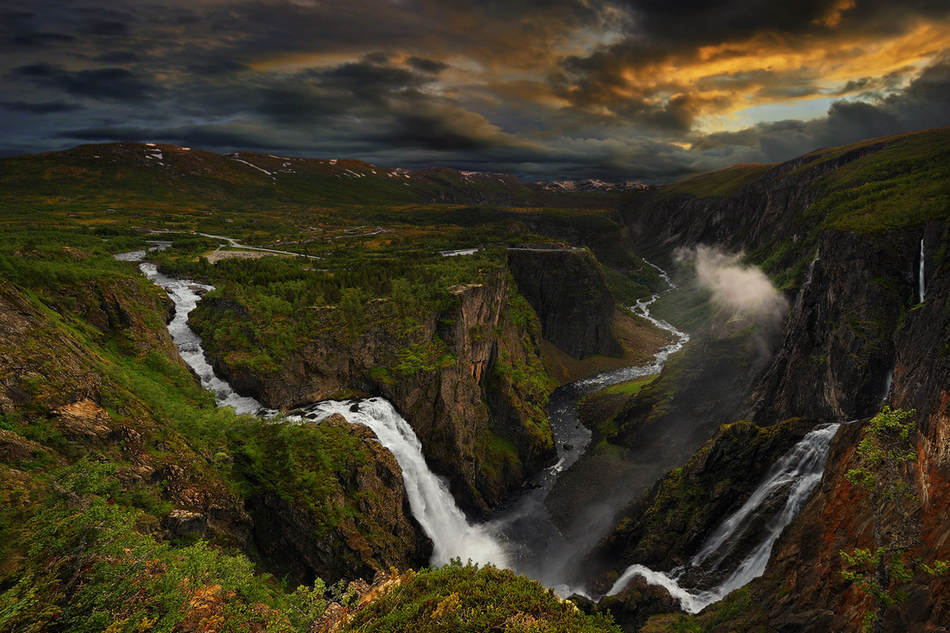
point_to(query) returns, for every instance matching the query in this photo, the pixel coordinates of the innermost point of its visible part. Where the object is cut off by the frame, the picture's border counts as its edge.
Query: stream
(523, 536)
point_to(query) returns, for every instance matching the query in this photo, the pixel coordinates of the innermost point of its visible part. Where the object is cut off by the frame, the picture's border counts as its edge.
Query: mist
(739, 289)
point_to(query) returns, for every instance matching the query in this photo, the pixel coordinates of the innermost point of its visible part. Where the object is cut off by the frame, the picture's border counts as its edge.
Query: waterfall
(794, 477)
(429, 497)
(921, 288)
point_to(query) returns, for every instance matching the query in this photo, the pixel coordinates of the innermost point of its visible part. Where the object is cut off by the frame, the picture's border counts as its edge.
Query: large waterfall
(794, 477)
(429, 497)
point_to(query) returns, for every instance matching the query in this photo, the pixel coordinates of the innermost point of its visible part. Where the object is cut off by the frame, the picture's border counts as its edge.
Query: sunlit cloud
(564, 88)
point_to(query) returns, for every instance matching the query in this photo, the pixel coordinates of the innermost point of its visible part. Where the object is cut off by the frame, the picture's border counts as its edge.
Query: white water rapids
(795, 477)
(429, 498)
(433, 506)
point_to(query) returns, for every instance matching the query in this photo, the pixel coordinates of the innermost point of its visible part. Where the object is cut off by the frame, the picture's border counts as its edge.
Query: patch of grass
(716, 184)
(465, 598)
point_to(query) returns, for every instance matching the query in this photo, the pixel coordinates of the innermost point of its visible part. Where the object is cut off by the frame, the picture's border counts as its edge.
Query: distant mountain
(173, 175)
(590, 184)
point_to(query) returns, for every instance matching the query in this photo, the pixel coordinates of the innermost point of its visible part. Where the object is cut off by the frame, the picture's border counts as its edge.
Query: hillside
(468, 303)
(856, 237)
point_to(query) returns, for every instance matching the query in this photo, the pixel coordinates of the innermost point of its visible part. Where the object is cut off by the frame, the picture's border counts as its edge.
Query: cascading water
(921, 286)
(186, 295)
(794, 477)
(429, 497)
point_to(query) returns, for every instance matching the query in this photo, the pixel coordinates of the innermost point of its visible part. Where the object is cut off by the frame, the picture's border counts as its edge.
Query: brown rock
(14, 447)
(84, 419)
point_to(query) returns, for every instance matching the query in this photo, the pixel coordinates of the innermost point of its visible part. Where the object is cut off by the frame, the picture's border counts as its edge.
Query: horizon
(610, 90)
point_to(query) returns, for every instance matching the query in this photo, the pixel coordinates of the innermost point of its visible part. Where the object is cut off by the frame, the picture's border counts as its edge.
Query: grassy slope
(715, 184)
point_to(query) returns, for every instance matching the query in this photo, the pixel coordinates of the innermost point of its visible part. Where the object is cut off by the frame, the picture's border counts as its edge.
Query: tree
(880, 571)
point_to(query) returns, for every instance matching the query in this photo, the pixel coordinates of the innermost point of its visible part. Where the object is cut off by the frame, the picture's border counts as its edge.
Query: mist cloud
(739, 289)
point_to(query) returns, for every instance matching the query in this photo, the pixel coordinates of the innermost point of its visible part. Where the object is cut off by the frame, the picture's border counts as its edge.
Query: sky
(647, 90)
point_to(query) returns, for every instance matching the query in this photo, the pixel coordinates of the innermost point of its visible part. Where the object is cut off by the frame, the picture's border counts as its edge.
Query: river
(523, 536)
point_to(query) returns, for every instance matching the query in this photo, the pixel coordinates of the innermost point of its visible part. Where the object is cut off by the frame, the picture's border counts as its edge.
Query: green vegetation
(87, 537)
(716, 184)
(465, 598)
(880, 571)
(87, 567)
(904, 183)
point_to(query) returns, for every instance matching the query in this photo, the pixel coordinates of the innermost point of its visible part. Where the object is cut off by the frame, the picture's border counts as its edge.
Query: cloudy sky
(647, 90)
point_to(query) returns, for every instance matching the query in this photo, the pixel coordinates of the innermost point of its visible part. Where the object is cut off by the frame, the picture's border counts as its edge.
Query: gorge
(668, 443)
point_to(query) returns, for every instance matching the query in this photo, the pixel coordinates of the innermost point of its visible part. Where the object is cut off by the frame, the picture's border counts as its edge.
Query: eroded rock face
(637, 602)
(84, 419)
(568, 292)
(456, 409)
(297, 542)
(838, 348)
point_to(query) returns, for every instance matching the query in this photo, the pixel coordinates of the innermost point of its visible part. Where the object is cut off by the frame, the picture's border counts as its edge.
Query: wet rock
(637, 602)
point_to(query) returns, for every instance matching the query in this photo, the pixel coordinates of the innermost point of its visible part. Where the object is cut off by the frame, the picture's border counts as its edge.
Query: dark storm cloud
(46, 107)
(112, 83)
(430, 66)
(543, 88)
(31, 40)
(925, 103)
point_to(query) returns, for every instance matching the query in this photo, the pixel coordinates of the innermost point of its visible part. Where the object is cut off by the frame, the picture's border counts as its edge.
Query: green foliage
(88, 568)
(457, 599)
(903, 183)
(880, 571)
(716, 184)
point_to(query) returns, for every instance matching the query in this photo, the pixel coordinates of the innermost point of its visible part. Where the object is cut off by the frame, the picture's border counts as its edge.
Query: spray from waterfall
(795, 477)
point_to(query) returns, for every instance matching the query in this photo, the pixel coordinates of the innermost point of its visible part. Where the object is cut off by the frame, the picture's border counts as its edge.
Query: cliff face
(856, 317)
(838, 350)
(477, 402)
(570, 297)
(361, 525)
(838, 517)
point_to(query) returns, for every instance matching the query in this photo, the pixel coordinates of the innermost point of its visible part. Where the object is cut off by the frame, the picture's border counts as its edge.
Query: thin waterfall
(795, 477)
(921, 286)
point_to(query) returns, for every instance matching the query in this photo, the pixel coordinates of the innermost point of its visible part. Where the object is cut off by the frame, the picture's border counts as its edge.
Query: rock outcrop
(567, 290)
(479, 409)
(364, 523)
